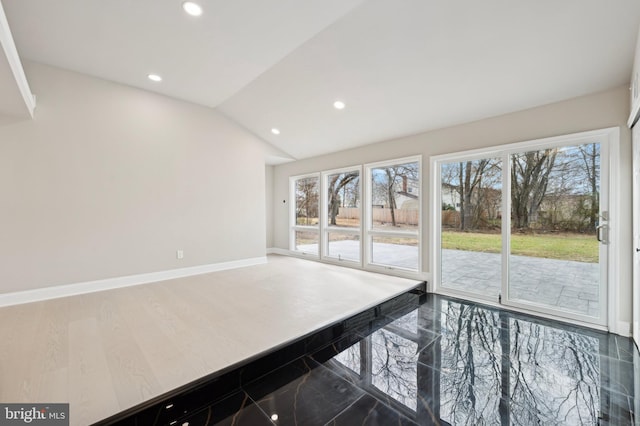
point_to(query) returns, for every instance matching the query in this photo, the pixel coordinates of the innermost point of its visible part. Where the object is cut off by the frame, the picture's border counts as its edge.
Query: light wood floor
(108, 351)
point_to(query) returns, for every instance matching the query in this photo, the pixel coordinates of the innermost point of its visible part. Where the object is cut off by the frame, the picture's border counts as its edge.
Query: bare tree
(391, 193)
(473, 181)
(501, 369)
(529, 181)
(307, 200)
(391, 372)
(337, 183)
(572, 400)
(591, 159)
(471, 355)
(558, 188)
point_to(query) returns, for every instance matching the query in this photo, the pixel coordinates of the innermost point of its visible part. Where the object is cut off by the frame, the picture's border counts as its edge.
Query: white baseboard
(623, 328)
(46, 293)
(425, 276)
(277, 250)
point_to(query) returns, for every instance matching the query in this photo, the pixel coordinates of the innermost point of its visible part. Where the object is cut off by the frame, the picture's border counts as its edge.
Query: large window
(333, 218)
(305, 233)
(393, 216)
(342, 202)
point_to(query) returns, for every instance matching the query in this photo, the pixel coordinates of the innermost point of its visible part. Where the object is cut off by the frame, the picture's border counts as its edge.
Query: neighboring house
(450, 196)
(488, 198)
(409, 194)
(407, 190)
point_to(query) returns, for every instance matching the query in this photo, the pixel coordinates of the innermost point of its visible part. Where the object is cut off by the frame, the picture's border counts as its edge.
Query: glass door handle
(598, 234)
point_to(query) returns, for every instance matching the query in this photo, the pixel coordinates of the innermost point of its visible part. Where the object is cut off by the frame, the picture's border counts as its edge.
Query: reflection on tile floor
(448, 362)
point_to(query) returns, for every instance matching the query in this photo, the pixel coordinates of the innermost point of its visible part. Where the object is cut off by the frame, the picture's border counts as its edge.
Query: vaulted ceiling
(400, 67)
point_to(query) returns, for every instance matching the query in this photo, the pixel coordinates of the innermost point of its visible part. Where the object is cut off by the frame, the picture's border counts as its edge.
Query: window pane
(471, 219)
(344, 246)
(401, 252)
(343, 199)
(307, 201)
(395, 197)
(555, 212)
(307, 241)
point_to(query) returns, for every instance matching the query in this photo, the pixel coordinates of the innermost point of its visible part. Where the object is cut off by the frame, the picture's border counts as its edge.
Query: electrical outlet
(179, 254)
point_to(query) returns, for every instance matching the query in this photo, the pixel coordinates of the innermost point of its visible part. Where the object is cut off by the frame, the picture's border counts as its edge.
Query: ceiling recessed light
(193, 9)
(275, 131)
(339, 105)
(154, 77)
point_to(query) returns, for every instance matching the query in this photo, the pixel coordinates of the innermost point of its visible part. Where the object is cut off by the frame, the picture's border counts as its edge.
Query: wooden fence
(382, 215)
(450, 218)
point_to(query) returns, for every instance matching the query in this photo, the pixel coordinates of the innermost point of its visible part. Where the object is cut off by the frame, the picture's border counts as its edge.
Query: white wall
(606, 109)
(269, 204)
(109, 181)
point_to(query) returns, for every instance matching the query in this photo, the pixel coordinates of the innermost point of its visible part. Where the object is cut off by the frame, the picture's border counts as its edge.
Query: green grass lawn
(578, 247)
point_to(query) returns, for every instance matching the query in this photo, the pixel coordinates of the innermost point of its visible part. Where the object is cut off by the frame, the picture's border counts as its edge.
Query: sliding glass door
(558, 229)
(526, 225)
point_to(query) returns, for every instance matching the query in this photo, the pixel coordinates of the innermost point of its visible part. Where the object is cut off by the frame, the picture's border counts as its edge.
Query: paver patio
(567, 285)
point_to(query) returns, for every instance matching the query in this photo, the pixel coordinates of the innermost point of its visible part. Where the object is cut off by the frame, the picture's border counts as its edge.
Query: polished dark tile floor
(444, 361)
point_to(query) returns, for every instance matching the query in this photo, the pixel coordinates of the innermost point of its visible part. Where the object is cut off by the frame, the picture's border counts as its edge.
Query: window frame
(370, 233)
(327, 229)
(365, 231)
(293, 225)
(609, 137)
